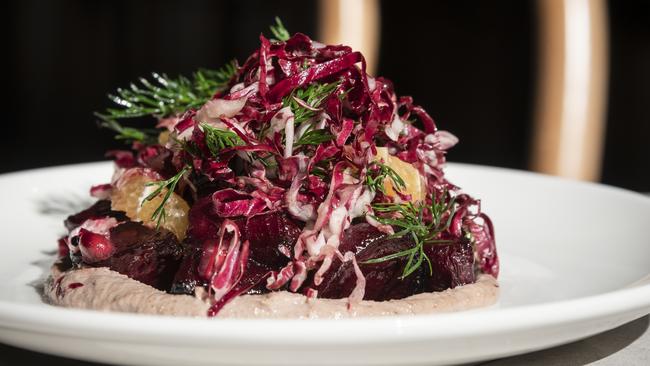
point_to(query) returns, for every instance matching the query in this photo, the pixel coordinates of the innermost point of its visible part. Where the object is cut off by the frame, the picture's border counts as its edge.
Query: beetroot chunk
(187, 278)
(357, 237)
(147, 255)
(99, 209)
(382, 279)
(203, 222)
(271, 236)
(452, 266)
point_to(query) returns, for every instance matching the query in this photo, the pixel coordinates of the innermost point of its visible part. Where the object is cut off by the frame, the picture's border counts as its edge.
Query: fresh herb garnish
(130, 134)
(165, 96)
(209, 81)
(377, 175)
(217, 139)
(305, 103)
(169, 185)
(268, 160)
(319, 172)
(190, 147)
(323, 168)
(279, 31)
(408, 218)
(314, 137)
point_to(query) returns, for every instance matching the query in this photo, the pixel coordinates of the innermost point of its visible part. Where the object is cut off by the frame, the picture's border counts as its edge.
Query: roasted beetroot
(357, 237)
(271, 237)
(101, 208)
(203, 221)
(186, 278)
(453, 265)
(151, 256)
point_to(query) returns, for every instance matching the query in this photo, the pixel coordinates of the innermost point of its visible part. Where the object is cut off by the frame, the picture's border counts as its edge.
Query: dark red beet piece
(147, 255)
(203, 222)
(382, 279)
(358, 236)
(452, 266)
(187, 278)
(271, 235)
(99, 209)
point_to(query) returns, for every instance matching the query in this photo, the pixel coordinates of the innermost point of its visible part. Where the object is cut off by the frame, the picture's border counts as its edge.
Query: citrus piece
(413, 183)
(130, 196)
(163, 138)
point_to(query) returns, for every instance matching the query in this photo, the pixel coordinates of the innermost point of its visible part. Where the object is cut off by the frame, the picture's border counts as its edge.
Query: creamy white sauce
(106, 290)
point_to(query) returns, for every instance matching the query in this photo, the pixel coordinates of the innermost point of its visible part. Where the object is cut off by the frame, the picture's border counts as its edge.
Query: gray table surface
(628, 344)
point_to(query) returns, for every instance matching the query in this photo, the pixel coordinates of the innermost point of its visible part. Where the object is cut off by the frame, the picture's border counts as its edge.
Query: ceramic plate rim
(147, 329)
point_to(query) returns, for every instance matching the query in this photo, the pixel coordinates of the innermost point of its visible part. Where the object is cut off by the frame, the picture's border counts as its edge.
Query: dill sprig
(130, 134)
(164, 96)
(190, 147)
(217, 139)
(377, 175)
(305, 102)
(323, 168)
(279, 31)
(408, 218)
(267, 160)
(169, 185)
(208, 81)
(319, 172)
(314, 137)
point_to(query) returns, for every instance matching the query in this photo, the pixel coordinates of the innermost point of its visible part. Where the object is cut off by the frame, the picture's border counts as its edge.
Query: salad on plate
(291, 185)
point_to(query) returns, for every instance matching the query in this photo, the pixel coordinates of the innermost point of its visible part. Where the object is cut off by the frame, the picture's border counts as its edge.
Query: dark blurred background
(470, 64)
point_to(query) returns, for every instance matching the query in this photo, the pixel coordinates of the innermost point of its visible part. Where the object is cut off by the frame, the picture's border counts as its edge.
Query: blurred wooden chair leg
(572, 88)
(354, 23)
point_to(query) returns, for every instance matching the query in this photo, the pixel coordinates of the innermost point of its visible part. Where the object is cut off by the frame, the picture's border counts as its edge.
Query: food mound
(294, 173)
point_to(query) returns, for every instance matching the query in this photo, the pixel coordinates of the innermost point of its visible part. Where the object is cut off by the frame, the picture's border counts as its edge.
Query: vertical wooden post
(572, 88)
(351, 22)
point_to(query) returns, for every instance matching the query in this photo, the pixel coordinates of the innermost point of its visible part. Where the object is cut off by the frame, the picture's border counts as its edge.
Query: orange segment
(163, 138)
(129, 196)
(413, 182)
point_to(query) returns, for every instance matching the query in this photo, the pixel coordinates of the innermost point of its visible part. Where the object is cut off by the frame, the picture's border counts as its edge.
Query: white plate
(575, 261)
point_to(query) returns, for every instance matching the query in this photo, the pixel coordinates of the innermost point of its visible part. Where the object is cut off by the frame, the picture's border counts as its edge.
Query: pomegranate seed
(94, 247)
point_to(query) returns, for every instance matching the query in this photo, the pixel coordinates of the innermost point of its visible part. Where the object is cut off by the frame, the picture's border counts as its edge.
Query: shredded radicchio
(280, 162)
